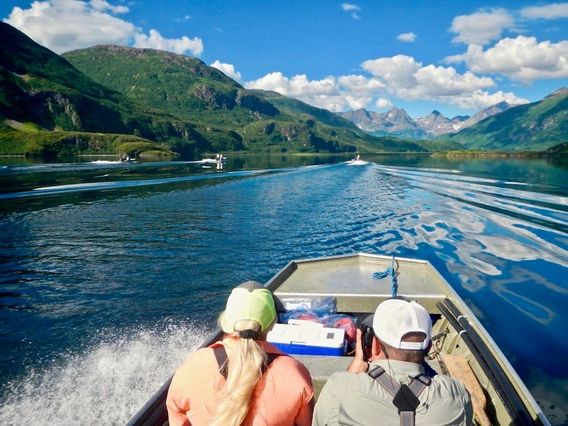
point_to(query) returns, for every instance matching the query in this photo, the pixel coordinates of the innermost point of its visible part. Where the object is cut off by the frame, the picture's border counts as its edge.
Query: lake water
(110, 273)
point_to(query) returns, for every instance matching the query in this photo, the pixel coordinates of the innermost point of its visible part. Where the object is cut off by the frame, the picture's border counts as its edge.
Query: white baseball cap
(394, 318)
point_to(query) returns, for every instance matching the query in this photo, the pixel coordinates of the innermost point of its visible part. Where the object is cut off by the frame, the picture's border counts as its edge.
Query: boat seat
(321, 367)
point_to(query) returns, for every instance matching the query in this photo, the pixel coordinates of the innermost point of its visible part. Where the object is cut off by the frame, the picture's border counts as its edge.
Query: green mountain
(177, 84)
(294, 106)
(48, 107)
(190, 90)
(531, 127)
(561, 148)
(110, 99)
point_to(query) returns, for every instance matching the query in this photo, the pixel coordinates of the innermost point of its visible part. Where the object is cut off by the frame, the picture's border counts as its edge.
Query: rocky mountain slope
(435, 123)
(394, 122)
(397, 122)
(536, 126)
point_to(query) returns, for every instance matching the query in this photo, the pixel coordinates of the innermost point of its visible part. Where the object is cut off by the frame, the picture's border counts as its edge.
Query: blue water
(111, 273)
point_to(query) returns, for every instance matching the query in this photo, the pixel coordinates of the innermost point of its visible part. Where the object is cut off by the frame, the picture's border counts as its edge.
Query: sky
(453, 56)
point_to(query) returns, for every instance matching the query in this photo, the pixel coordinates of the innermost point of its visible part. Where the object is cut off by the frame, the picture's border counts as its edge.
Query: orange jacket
(284, 395)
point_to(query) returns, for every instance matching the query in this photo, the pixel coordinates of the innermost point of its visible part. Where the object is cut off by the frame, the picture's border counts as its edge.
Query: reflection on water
(88, 248)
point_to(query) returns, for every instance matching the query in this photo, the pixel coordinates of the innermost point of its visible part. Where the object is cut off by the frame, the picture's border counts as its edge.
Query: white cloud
(383, 103)
(550, 11)
(406, 37)
(349, 7)
(102, 5)
(481, 27)
(521, 58)
(400, 76)
(353, 8)
(397, 71)
(481, 99)
(178, 45)
(334, 94)
(63, 25)
(228, 69)
(359, 85)
(408, 79)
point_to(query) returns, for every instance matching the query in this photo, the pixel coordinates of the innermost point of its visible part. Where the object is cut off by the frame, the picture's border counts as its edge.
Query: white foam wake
(106, 385)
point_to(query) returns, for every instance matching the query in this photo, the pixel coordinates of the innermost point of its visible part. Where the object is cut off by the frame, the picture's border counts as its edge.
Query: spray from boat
(103, 384)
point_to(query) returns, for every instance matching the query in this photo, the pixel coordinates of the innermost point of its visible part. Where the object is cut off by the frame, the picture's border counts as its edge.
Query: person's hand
(358, 365)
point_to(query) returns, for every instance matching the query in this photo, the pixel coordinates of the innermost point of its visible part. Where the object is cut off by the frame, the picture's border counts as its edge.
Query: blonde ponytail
(245, 362)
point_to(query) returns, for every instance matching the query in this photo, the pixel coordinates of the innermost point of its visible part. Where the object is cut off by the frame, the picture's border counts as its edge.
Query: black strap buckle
(405, 400)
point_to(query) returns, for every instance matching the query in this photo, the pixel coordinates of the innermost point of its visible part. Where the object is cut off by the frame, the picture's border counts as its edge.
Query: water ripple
(123, 258)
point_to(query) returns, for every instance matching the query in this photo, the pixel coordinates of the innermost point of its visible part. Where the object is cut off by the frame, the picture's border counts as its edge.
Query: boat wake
(357, 163)
(99, 186)
(491, 222)
(104, 385)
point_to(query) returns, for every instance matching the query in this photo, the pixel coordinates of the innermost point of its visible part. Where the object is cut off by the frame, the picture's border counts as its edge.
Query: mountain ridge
(396, 121)
(49, 106)
(535, 126)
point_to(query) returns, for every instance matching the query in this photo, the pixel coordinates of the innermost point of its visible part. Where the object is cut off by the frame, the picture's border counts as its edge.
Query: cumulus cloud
(383, 103)
(334, 94)
(482, 99)
(228, 69)
(406, 37)
(550, 11)
(400, 76)
(102, 5)
(179, 45)
(481, 27)
(408, 79)
(63, 25)
(353, 8)
(521, 58)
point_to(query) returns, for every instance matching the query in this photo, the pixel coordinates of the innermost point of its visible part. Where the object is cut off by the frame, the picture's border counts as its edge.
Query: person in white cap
(242, 379)
(387, 382)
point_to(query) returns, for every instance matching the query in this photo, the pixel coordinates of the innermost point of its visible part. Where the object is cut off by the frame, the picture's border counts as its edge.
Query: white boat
(212, 160)
(461, 345)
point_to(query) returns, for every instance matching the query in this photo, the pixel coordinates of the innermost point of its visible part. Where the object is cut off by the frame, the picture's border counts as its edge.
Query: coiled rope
(390, 271)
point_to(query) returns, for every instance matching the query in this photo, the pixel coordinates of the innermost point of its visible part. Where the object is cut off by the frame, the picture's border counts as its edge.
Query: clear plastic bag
(322, 310)
(307, 307)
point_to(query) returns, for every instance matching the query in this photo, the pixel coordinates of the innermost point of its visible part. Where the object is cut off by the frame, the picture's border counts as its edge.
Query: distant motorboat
(212, 160)
(127, 159)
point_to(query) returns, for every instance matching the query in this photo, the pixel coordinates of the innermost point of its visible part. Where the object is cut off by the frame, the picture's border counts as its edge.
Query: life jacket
(405, 397)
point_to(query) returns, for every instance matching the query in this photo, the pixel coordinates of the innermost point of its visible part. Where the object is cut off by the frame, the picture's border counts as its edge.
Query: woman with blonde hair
(242, 379)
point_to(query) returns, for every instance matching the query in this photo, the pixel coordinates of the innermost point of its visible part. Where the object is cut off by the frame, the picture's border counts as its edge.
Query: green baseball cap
(248, 301)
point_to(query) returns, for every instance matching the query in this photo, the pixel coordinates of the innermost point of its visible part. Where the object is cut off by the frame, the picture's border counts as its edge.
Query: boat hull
(458, 333)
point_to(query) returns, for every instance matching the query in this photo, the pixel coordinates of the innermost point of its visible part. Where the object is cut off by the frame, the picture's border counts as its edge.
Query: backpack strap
(221, 357)
(405, 397)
